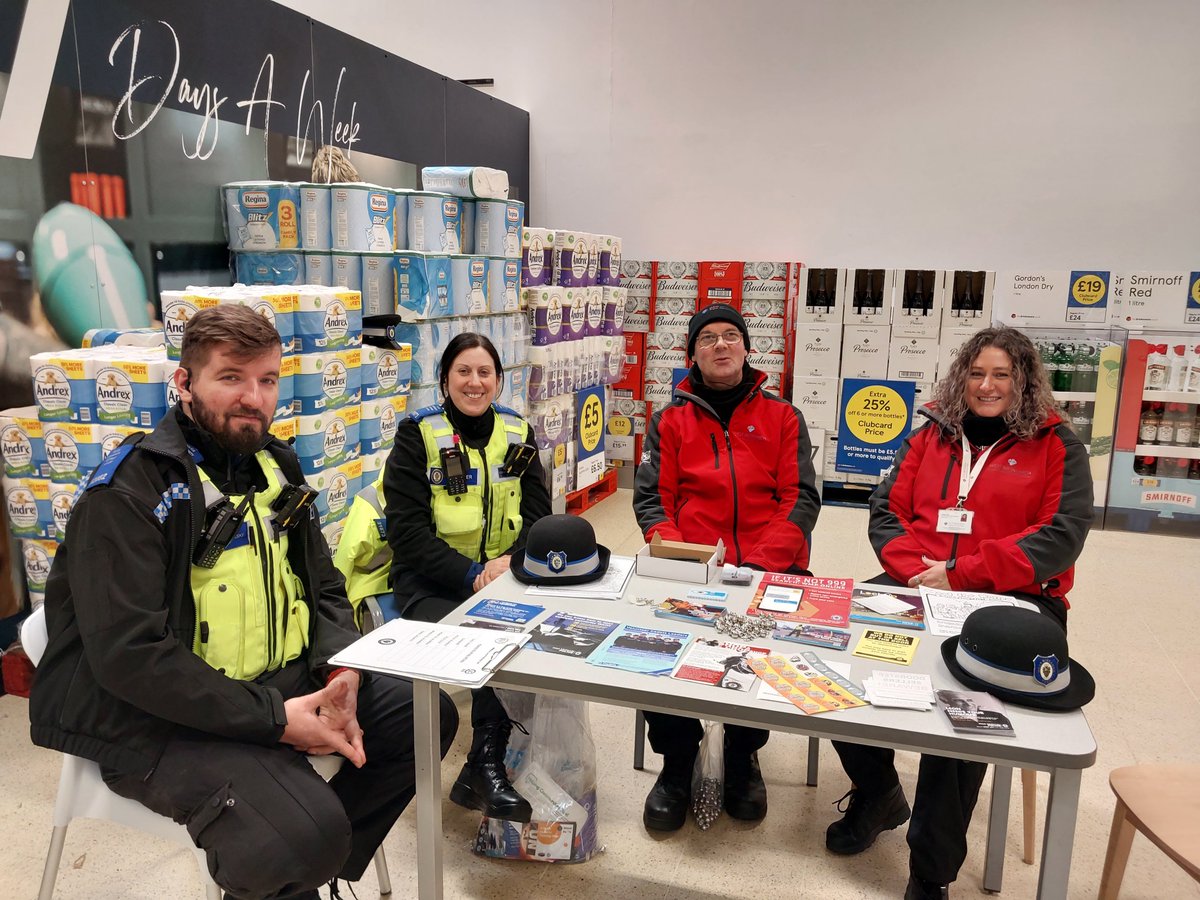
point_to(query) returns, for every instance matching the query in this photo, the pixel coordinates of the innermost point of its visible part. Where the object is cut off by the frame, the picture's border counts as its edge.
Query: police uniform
(174, 678)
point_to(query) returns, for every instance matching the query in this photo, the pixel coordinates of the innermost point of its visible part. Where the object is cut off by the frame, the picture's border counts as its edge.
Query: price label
(1088, 290)
(620, 426)
(876, 415)
(591, 423)
(1088, 298)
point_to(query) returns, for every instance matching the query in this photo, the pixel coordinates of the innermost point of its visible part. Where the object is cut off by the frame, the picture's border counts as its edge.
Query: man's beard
(240, 440)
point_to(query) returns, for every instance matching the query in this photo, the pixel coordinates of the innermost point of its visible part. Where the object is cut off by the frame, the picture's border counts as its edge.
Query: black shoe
(483, 782)
(745, 791)
(865, 818)
(667, 803)
(925, 890)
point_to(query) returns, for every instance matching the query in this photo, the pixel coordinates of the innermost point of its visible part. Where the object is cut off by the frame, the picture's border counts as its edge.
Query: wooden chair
(1163, 803)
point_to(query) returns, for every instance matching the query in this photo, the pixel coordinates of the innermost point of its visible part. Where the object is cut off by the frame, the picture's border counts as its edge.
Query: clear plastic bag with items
(708, 776)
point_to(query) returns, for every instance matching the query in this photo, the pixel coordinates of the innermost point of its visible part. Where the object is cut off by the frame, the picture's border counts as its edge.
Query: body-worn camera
(518, 458)
(291, 507)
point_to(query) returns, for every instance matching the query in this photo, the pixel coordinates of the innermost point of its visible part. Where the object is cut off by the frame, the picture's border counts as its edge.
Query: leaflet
(803, 598)
(975, 712)
(722, 663)
(697, 613)
(809, 690)
(645, 650)
(506, 611)
(570, 635)
(947, 610)
(887, 646)
(814, 635)
(882, 607)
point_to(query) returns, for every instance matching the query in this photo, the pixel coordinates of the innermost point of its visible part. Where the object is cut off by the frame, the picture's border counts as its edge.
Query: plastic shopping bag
(556, 772)
(708, 777)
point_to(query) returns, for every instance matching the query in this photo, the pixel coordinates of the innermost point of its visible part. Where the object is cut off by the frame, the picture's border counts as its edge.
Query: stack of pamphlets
(975, 712)
(609, 587)
(570, 635)
(946, 610)
(873, 606)
(904, 690)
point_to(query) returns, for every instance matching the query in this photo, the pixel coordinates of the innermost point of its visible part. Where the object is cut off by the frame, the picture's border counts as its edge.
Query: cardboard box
(913, 358)
(869, 296)
(917, 303)
(817, 398)
(1056, 298)
(768, 354)
(821, 295)
(865, 351)
(818, 349)
(674, 278)
(816, 437)
(949, 343)
(720, 282)
(967, 299)
(671, 314)
(637, 277)
(923, 395)
(765, 280)
(667, 348)
(637, 312)
(765, 317)
(1156, 300)
(694, 563)
(634, 367)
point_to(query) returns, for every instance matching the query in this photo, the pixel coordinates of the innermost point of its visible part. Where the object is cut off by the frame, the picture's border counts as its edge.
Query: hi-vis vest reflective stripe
(363, 555)
(487, 518)
(250, 611)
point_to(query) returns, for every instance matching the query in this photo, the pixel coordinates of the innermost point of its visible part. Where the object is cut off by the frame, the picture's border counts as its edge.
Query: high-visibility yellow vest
(485, 521)
(251, 616)
(363, 555)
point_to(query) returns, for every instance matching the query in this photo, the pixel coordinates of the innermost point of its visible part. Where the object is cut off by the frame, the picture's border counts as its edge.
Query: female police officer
(462, 487)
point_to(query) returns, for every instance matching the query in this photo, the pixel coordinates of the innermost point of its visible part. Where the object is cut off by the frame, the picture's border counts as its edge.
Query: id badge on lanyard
(957, 519)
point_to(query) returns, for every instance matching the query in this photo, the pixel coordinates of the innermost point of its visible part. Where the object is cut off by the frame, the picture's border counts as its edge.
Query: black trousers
(425, 601)
(269, 824)
(947, 789)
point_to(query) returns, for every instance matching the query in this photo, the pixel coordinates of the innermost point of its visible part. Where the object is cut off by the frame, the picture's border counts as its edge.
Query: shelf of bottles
(1155, 482)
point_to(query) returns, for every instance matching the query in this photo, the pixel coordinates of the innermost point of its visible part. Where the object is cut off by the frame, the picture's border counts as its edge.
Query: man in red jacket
(725, 461)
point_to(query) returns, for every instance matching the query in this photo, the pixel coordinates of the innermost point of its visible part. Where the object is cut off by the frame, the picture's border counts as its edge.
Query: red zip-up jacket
(752, 485)
(1032, 504)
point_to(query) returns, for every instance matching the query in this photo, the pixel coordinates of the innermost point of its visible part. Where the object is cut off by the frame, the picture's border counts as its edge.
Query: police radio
(454, 467)
(221, 522)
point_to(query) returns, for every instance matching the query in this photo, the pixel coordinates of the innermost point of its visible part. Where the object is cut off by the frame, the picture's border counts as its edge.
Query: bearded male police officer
(192, 612)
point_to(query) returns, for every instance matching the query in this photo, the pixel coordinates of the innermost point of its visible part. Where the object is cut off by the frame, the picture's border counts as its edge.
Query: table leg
(814, 761)
(997, 833)
(1062, 809)
(426, 744)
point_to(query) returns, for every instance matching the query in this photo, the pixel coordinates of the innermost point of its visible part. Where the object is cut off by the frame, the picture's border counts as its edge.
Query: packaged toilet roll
(122, 337)
(363, 217)
(72, 451)
(261, 215)
(609, 274)
(129, 390)
(336, 487)
(400, 228)
(423, 286)
(434, 223)
(466, 234)
(615, 299)
(62, 390)
(537, 256)
(22, 443)
(392, 413)
(333, 534)
(372, 465)
(318, 268)
(379, 284)
(545, 309)
(384, 373)
(327, 381)
(424, 395)
(504, 285)
(178, 307)
(466, 181)
(346, 270)
(28, 507)
(269, 267)
(593, 325)
(328, 439)
(570, 259)
(110, 437)
(38, 557)
(328, 319)
(593, 265)
(289, 366)
(574, 313)
(62, 501)
(284, 428)
(469, 280)
(315, 200)
(498, 225)
(371, 412)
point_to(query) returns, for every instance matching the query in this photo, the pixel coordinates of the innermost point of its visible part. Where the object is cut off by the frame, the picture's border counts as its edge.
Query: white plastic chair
(82, 794)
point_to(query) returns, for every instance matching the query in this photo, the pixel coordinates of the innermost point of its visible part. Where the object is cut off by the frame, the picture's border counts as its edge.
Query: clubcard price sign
(589, 414)
(1088, 300)
(874, 421)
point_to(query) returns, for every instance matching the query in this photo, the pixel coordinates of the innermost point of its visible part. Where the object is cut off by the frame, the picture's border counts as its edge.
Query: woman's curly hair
(1033, 402)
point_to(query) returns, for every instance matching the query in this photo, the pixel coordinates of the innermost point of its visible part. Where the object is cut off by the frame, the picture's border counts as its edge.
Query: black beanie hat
(715, 312)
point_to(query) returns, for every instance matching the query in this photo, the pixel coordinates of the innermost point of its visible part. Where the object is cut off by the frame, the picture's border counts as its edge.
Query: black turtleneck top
(722, 400)
(983, 431)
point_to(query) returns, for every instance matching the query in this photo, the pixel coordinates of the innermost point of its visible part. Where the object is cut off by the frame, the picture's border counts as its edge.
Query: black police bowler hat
(560, 550)
(1020, 656)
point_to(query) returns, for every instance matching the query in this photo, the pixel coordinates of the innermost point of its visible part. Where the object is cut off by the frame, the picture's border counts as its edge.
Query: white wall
(1056, 133)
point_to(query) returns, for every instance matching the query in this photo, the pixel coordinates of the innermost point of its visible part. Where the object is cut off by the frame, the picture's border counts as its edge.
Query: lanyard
(969, 473)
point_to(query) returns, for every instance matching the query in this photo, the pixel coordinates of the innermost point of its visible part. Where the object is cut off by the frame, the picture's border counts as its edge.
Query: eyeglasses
(709, 339)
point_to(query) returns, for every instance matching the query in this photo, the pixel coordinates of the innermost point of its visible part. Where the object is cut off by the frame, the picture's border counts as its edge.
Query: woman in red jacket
(993, 493)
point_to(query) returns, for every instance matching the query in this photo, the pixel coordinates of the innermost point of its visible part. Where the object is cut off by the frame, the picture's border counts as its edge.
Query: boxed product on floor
(949, 343)
(637, 312)
(765, 316)
(918, 303)
(1156, 299)
(817, 398)
(676, 278)
(865, 351)
(768, 354)
(818, 349)
(968, 300)
(424, 288)
(767, 280)
(666, 349)
(1032, 298)
(671, 313)
(822, 295)
(720, 282)
(913, 358)
(869, 296)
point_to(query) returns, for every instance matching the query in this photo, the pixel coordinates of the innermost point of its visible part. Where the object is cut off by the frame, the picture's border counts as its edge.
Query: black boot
(667, 803)
(483, 782)
(919, 889)
(865, 818)
(745, 791)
